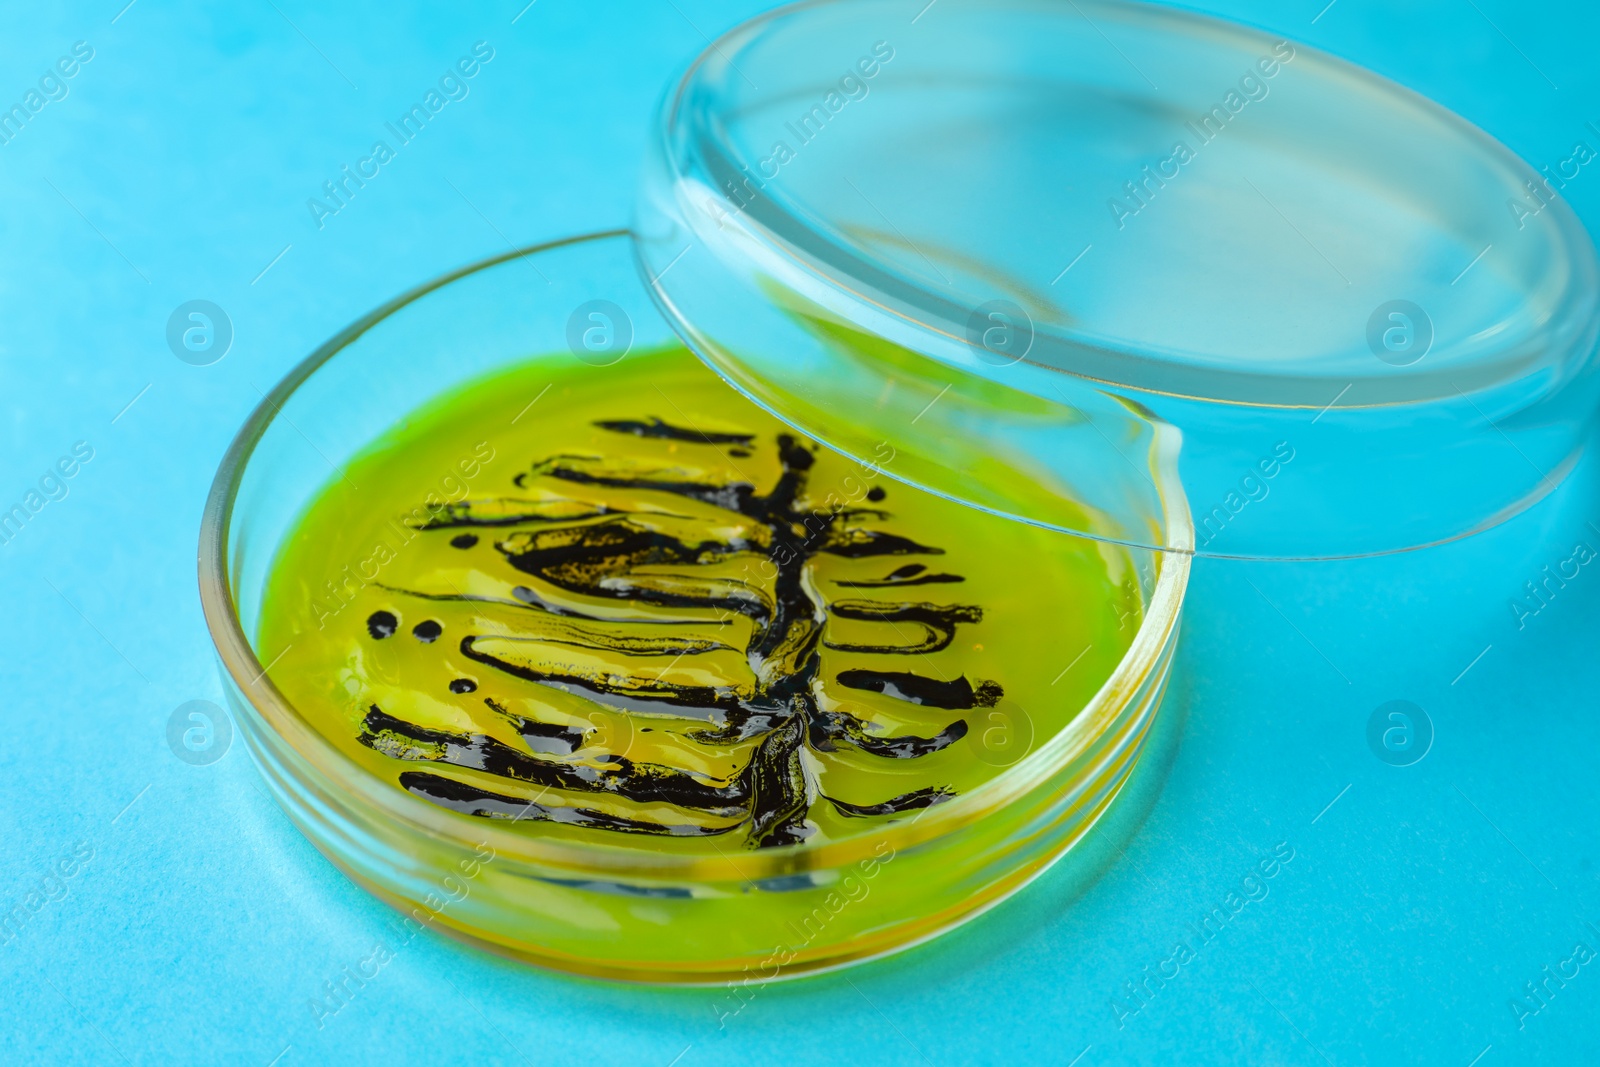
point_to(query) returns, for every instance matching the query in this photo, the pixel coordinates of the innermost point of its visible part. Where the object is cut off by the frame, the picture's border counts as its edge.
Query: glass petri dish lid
(1059, 251)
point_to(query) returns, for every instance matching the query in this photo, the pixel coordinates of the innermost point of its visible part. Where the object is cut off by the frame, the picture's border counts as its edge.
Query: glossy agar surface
(641, 611)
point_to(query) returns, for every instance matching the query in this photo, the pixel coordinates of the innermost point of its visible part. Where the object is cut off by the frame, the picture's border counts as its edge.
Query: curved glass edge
(761, 295)
(340, 785)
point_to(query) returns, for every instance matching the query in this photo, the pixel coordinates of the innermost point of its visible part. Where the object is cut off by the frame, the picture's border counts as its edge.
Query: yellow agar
(565, 613)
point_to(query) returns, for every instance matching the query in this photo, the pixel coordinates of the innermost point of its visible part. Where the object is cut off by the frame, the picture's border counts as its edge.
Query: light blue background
(1415, 908)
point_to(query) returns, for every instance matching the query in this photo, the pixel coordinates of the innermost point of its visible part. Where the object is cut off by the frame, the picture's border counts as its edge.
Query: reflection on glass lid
(1126, 257)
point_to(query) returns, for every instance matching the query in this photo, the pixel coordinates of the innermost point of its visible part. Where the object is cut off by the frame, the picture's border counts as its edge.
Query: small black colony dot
(381, 624)
(464, 540)
(427, 631)
(463, 685)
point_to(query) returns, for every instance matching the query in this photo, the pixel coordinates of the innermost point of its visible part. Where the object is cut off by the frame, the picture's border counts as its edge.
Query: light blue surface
(1415, 908)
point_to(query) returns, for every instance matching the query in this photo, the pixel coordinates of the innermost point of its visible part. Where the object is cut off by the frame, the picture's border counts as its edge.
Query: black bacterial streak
(656, 428)
(769, 705)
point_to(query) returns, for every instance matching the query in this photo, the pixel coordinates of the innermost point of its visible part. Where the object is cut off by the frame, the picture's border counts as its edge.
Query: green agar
(641, 611)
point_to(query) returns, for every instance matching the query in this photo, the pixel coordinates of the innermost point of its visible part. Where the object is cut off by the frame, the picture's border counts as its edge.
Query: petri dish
(1369, 325)
(489, 583)
(1056, 276)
